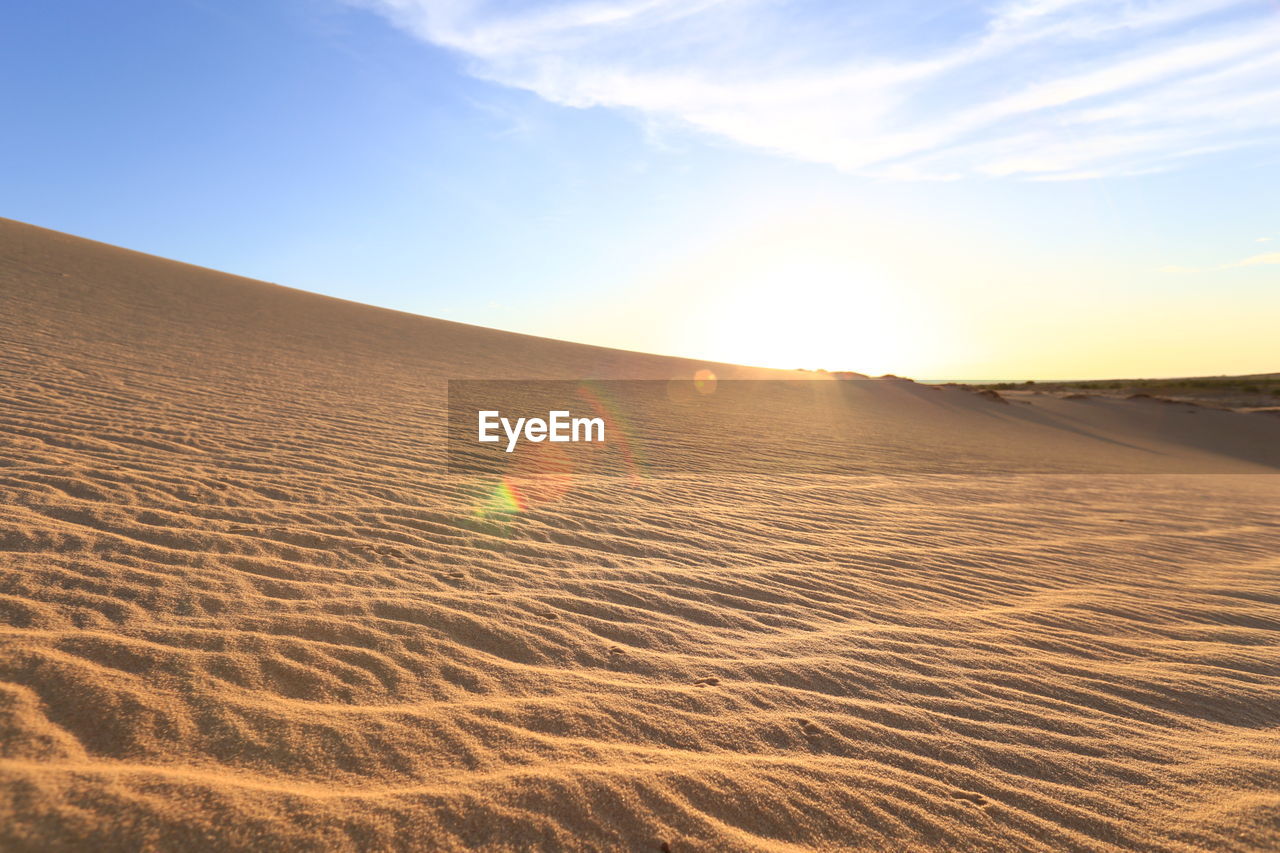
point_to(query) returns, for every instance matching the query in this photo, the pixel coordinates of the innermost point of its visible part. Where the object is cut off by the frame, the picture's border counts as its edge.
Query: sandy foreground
(243, 606)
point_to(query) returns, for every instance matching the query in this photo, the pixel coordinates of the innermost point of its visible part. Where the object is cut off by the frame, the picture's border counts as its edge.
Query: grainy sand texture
(244, 607)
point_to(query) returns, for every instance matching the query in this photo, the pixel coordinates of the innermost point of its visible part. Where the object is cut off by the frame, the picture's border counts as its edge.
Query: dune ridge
(243, 607)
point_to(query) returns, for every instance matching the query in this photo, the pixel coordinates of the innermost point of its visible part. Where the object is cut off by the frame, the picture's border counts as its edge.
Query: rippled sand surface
(243, 607)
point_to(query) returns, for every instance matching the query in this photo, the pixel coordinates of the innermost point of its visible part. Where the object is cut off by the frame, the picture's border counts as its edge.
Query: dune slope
(243, 607)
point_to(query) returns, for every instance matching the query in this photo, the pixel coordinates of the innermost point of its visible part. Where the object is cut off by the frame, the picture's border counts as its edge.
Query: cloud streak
(1258, 260)
(1266, 259)
(931, 89)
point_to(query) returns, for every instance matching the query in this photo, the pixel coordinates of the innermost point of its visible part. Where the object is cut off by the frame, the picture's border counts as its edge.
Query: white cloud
(1045, 89)
(1258, 260)
(1254, 261)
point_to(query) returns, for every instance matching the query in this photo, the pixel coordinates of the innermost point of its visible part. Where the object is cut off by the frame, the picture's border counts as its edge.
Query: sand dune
(242, 606)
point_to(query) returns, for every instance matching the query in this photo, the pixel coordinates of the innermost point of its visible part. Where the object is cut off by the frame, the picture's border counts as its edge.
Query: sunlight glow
(799, 295)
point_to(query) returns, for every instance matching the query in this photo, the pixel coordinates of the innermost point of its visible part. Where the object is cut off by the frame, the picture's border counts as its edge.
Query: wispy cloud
(1258, 260)
(1043, 89)
(1252, 261)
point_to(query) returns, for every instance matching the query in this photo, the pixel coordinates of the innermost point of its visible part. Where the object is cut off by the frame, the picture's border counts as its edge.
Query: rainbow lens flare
(544, 474)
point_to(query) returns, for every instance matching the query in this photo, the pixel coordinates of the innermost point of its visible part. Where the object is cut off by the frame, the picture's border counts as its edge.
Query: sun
(801, 297)
(793, 292)
(807, 312)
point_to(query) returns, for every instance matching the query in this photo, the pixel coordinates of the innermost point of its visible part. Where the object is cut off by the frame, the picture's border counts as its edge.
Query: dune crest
(243, 607)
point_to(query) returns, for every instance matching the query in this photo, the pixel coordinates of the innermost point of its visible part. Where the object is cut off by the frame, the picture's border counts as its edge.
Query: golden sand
(242, 607)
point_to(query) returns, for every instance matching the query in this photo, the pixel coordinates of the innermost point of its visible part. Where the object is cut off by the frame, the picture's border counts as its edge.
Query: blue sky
(1015, 188)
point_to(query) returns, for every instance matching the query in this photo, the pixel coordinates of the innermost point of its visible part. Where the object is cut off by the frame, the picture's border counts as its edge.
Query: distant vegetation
(1269, 384)
(1262, 390)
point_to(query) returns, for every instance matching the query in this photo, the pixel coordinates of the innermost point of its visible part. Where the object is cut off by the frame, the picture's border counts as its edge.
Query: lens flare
(544, 474)
(618, 430)
(500, 502)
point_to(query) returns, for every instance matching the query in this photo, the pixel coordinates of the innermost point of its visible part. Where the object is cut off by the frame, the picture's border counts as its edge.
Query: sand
(243, 607)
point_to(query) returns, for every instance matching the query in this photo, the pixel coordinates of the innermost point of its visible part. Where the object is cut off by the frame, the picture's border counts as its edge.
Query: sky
(1005, 189)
